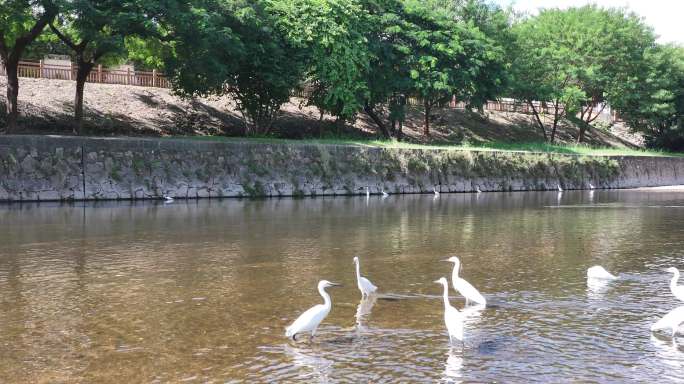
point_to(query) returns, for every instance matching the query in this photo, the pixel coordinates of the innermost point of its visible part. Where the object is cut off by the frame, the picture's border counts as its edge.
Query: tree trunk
(11, 68)
(539, 122)
(556, 116)
(426, 123)
(11, 57)
(376, 119)
(84, 69)
(580, 137)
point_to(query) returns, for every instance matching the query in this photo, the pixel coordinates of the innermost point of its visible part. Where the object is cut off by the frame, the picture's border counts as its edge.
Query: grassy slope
(506, 147)
(115, 110)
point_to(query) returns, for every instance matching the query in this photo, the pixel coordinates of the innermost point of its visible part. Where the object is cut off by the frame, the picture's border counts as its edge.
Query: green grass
(538, 147)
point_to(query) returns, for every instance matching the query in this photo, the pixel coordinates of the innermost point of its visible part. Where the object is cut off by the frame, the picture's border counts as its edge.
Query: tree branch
(28, 37)
(64, 38)
(591, 119)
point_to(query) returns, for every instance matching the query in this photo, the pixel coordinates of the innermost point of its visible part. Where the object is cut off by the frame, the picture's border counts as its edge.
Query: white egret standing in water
(435, 191)
(560, 189)
(309, 320)
(677, 290)
(672, 320)
(367, 192)
(591, 186)
(168, 199)
(452, 317)
(384, 194)
(598, 272)
(365, 286)
(477, 189)
(462, 286)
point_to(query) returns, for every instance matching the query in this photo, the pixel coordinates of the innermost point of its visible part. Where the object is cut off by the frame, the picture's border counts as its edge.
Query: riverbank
(38, 168)
(116, 110)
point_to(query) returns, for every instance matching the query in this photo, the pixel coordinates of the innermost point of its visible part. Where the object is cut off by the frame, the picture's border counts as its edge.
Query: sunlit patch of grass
(536, 147)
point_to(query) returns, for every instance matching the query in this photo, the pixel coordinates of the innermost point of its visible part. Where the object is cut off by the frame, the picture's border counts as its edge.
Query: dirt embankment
(46, 106)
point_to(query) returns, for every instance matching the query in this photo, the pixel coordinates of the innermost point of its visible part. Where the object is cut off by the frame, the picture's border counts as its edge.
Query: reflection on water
(453, 367)
(364, 309)
(201, 291)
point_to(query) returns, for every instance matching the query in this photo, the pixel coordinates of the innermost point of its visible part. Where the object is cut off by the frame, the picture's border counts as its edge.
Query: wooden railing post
(71, 70)
(154, 77)
(99, 73)
(40, 69)
(128, 76)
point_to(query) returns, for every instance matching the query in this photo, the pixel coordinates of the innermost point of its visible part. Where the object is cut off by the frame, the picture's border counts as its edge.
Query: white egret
(677, 290)
(367, 192)
(477, 189)
(560, 189)
(168, 199)
(435, 191)
(452, 317)
(309, 320)
(672, 320)
(462, 286)
(384, 194)
(365, 286)
(598, 272)
(591, 186)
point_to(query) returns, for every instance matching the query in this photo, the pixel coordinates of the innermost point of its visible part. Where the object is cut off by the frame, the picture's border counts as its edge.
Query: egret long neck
(326, 297)
(454, 274)
(358, 271)
(446, 295)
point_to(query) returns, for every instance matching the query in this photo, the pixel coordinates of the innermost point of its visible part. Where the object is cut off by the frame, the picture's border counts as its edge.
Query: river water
(201, 291)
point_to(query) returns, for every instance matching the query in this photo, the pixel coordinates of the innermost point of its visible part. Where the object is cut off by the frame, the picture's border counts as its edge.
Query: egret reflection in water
(453, 368)
(363, 311)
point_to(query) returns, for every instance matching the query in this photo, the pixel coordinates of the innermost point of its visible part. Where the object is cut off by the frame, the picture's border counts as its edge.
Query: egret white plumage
(591, 186)
(435, 191)
(167, 199)
(677, 290)
(384, 194)
(367, 192)
(598, 272)
(462, 286)
(365, 286)
(477, 189)
(560, 189)
(452, 317)
(309, 320)
(672, 320)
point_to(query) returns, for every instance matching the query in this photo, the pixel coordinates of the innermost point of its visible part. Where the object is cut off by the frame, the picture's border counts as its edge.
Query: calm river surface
(201, 291)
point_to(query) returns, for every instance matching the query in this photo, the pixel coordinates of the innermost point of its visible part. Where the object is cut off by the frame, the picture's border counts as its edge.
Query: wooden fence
(101, 75)
(505, 105)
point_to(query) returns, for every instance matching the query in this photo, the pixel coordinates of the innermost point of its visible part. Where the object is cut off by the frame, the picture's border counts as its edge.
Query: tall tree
(332, 36)
(577, 58)
(544, 68)
(96, 30)
(21, 21)
(653, 102)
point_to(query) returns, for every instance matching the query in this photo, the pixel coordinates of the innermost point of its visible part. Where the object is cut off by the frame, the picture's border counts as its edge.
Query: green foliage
(577, 57)
(332, 37)
(652, 102)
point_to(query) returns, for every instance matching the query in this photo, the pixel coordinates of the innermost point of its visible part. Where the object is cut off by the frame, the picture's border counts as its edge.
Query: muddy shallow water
(201, 291)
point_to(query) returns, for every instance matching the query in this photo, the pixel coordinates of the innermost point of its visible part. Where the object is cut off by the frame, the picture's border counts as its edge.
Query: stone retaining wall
(74, 168)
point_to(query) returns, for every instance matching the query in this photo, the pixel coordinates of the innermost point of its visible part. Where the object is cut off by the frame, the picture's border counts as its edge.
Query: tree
(21, 21)
(448, 56)
(95, 30)
(653, 101)
(577, 59)
(331, 35)
(543, 68)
